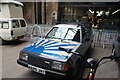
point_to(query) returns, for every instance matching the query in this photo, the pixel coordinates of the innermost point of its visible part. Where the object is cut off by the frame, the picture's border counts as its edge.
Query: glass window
(62, 33)
(22, 22)
(112, 21)
(83, 34)
(73, 14)
(52, 33)
(107, 18)
(15, 24)
(4, 25)
(100, 15)
(0, 25)
(70, 34)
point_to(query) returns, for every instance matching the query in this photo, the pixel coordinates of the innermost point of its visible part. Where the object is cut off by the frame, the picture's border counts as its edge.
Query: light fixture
(91, 11)
(116, 11)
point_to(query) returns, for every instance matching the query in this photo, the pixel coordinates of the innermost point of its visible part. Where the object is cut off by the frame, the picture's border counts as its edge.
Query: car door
(5, 30)
(23, 27)
(16, 28)
(90, 35)
(84, 45)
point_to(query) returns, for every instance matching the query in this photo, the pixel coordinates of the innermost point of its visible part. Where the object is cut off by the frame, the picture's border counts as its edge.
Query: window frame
(18, 24)
(64, 35)
(2, 22)
(21, 23)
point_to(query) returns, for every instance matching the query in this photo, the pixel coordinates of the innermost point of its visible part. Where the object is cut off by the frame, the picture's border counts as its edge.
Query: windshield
(62, 33)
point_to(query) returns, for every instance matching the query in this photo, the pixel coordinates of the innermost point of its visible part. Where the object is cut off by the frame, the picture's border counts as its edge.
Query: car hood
(49, 48)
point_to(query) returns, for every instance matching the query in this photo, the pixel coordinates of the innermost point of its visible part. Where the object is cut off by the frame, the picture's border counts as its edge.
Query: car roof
(6, 19)
(11, 1)
(67, 25)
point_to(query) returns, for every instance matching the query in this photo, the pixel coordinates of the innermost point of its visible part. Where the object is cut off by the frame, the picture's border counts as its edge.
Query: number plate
(36, 69)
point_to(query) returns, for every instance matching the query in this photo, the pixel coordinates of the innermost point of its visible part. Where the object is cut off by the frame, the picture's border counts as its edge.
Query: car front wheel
(78, 71)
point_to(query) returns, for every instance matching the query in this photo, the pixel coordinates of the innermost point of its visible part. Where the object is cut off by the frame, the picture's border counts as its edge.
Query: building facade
(104, 15)
(40, 12)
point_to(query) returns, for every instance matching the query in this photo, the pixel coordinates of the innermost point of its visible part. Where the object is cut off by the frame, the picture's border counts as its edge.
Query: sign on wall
(54, 14)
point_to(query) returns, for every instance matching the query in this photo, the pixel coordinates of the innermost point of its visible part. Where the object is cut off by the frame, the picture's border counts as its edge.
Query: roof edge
(11, 1)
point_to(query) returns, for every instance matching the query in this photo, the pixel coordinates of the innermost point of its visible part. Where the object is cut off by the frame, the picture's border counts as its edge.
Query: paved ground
(107, 70)
(10, 69)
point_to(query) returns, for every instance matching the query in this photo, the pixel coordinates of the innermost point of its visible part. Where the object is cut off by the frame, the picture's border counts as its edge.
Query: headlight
(61, 66)
(23, 56)
(57, 65)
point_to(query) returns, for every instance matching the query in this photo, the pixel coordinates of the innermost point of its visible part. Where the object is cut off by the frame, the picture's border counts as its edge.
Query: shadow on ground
(15, 42)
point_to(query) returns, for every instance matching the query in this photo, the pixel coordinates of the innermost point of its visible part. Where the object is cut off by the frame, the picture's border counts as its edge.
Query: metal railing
(40, 30)
(37, 32)
(100, 36)
(105, 36)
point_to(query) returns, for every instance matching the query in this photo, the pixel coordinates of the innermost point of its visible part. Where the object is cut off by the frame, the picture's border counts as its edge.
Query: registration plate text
(36, 69)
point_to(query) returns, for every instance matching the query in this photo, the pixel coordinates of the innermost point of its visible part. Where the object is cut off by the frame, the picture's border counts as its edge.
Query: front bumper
(48, 71)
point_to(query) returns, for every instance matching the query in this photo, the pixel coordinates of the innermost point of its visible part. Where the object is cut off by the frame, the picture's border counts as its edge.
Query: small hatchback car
(45, 58)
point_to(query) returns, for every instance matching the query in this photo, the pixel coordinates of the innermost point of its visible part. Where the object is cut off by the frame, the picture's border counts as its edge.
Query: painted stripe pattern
(49, 48)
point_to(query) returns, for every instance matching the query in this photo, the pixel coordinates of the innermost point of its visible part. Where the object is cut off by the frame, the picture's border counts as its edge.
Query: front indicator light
(66, 66)
(20, 54)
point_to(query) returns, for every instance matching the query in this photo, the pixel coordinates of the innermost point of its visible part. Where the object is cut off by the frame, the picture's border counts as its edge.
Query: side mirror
(91, 63)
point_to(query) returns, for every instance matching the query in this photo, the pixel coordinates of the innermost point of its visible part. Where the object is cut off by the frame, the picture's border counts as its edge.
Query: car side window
(83, 34)
(52, 33)
(0, 25)
(4, 25)
(83, 31)
(77, 36)
(22, 22)
(15, 24)
(70, 34)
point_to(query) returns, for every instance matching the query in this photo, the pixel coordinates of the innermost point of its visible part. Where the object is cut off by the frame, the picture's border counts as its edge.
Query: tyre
(75, 72)
(78, 71)
(2, 41)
